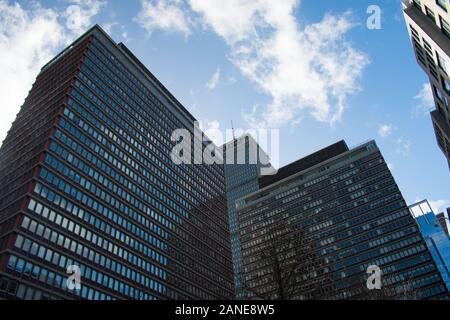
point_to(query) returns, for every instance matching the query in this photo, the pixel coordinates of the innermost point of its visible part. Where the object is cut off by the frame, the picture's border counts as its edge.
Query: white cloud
(29, 38)
(314, 68)
(113, 28)
(214, 81)
(403, 147)
(385, 130)
(79, 14)
(108, 27)
(311, 68)
(425, 100)
(166, 15)
(439, 206)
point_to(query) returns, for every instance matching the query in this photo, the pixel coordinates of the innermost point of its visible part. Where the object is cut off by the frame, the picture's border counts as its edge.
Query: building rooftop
(305, 163)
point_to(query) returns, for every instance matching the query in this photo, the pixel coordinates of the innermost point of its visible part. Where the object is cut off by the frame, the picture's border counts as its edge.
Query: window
(445, 85)
(442, 4)
(12, 287)
(12, 262)
(442, 64)
(3, 284)
(19, 242)
(21, 292)
(430, 14)
(445, 27)
(418, 4)
(438, 94)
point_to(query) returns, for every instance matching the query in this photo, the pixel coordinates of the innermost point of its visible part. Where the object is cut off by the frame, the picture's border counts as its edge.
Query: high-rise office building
(444, 220)
(316, 232)
(88, 186)
(244, 161)
(437, 240)
(428, 23)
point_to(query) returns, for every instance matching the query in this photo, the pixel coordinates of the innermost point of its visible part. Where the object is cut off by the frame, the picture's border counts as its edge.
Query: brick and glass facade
(87, 180)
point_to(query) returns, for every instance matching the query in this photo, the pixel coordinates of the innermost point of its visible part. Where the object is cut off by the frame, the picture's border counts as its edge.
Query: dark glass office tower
(87, 180)
(314, 233)
(242, 178)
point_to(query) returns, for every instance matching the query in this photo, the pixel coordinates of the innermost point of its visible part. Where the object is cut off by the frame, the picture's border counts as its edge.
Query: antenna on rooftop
(232, 128)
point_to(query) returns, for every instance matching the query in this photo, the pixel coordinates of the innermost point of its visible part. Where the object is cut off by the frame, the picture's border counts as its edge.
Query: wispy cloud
(425, 101)
(385, 130)
(79, 13)
(312, 69)
(29, 37)
(438, 206)
(166, 15)
(304, 68)
(108, 27)
(214, 81)
(403, 147)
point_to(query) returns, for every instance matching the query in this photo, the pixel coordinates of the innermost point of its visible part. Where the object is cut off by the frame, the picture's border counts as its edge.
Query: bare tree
(286, 266)
(292, 268)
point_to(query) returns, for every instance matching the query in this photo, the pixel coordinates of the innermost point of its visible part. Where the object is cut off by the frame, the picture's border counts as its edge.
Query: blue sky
(311, 68)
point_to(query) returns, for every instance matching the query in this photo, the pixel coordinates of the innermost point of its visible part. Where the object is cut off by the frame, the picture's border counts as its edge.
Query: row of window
(78, 149)
(78, 108)
(155, 204)
(20, 291)
(339, 174)
(78, 163)
(58, 201)
(203, 181)
(170, 121)
(202, 191)
(380, 217)
(198, 245)
(445, 28)
(45, 193)
(61, 261)
(91, 187)
(79, 231)
(49, 278)
(128, 197)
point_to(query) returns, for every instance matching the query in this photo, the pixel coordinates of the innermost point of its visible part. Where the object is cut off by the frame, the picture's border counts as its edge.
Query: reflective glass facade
(241, 180)
(88, 181)
(331, 222)
(437, 240)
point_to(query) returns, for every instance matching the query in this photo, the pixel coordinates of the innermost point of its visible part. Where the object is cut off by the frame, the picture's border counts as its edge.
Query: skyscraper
(318, 231)
(437, 240)
(88, 185)
(244, 161)
(443, 218)
(428, 23)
